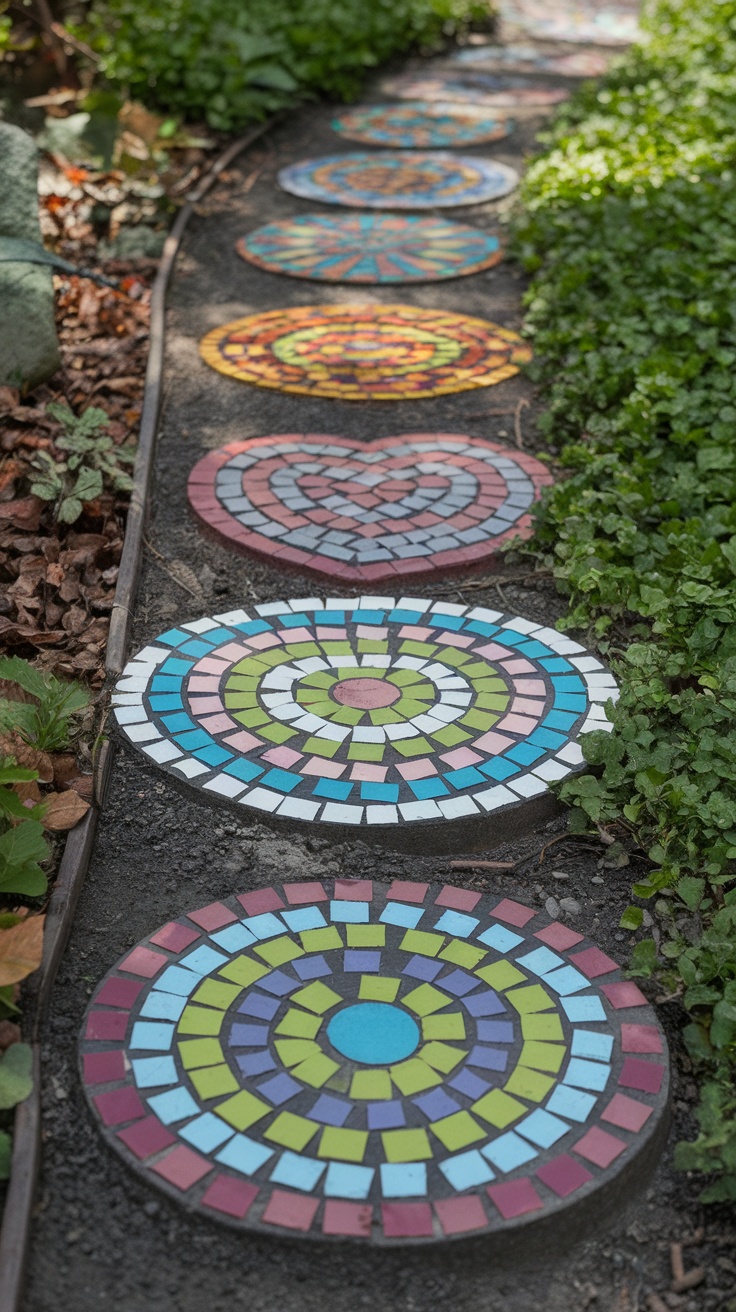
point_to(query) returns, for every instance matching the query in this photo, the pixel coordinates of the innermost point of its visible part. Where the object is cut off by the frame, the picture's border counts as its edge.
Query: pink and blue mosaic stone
(394, 1064)
(404, 179)
(375, 713)
(479, 90)
(420, 125)
(364, 512)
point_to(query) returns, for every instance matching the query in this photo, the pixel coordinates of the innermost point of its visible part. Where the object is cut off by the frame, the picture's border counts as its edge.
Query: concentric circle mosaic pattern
(370, 248)
(422, 125)
(497, 93)
(368, 711)
(580, 63)
(393, 1064)
(361, 512)
(365, 352)
(405, 180)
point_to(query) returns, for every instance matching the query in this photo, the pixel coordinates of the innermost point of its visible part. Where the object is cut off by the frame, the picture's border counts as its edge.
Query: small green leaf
(632, 918)
(16, 1080)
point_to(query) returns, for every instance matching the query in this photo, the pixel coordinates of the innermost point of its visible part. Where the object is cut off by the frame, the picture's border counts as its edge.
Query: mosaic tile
(403, 180)
(370, 248)
(586, 22)
(423, 125)
(411, 1116)
(479, 91)
(277, 666)
(579, 63)
(355, 352)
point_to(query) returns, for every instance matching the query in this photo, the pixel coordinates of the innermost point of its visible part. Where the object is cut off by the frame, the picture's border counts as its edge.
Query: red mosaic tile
(212, 917)
(593, 963)
(513, 913)
(350, 1219)
(641, 1038)
(119, 1105)
(292, 1211)
(623, 994)
(144, 1138)
(110, 1025)
(120, 993)
(142, 961)
(599, 1147)
(405, 890)
(626, 1113)
(407, 1220)
(646, 1076)
(458, 1216)
(306, 892)
(229, 1195)
(460, 899)
(175, 937)
(182, 1167)
(354, 890)
(262, 900)
(104, 1067)
(563, 1175)
(515, 1197)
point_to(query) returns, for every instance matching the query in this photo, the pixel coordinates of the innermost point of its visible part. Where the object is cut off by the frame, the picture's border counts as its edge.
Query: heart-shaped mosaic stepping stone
(389, 717)
(420, 125)
(365, 352)
(391, 1063)
(370, 248)
(404, 180)
(362, 512)
(497, 93)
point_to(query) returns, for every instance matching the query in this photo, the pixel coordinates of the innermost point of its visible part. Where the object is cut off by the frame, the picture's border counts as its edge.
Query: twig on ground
(676, 1262)
(656, 1304)
(522, 404)
(484, 865)
(689, 1281)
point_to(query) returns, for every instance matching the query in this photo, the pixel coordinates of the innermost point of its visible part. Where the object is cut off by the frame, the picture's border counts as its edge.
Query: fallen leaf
(9, 1033)
(83, 784)
(21, 949)
(65, 767)
(24, 512)
(29, 757)
(63, 811)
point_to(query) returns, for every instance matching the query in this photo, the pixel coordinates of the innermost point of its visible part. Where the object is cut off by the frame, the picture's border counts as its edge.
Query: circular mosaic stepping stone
(365, 352)
(581, 63)
(370, 248)
(498, 92)
(385, 1063)
(405, 180)
(422, 125)
(364, 512)
(586, 22)
(390, 716)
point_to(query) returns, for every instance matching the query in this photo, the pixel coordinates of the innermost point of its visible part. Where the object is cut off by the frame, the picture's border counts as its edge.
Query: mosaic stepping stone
(365, 352)
(389, 1063)
(363, 512)
(581, 63)
(421, 125)
(599, 24)
(498, 92)
(388, 716)
(403, 180)
(370, 248)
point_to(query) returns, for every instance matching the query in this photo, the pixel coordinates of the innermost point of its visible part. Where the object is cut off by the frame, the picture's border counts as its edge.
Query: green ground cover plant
(628, 227)
(232, 63)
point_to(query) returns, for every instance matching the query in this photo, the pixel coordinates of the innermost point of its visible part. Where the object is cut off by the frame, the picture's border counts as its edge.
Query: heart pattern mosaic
(369, 711)
(405, 180)
(365, 352)
(370, 248)
(387, 1063)
(364, 512)
(422, 125)
(497, 93)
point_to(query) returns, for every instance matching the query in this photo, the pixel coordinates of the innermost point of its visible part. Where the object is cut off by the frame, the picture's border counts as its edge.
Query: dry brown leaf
(22, 513)
(64, 811)
(83, 784)
(9, 1033)
(21, 949)
(65, 767)
(30, 758)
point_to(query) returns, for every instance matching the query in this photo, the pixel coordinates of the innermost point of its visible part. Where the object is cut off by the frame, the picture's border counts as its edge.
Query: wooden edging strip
(26, 1156)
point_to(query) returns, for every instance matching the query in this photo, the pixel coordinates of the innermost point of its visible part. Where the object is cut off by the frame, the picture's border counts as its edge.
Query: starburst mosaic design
(420, 125)
(390, 1063)
(404, 180)
(365, 352)
(370, 248)
(364, 512)
(371, 712)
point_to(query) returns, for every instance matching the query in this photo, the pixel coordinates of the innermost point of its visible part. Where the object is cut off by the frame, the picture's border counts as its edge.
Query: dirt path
(100, 1236)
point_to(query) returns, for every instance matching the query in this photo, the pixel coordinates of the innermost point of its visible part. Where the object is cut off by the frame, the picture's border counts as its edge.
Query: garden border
(26, 1156)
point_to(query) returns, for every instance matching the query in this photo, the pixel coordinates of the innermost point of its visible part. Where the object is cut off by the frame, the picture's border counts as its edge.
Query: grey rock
(29, 349)
(552, 907)
(570, 906)
(559, 874)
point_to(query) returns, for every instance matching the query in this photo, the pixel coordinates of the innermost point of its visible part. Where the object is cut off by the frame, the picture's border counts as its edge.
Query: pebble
(559, 874)
(552, 907)
(597, 879)
(571, 906)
